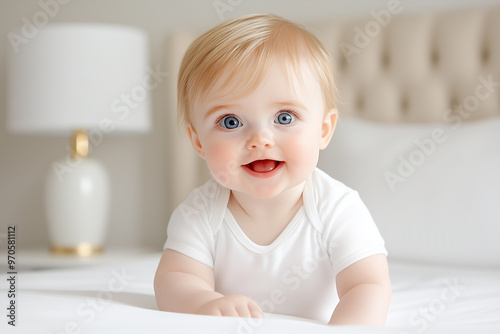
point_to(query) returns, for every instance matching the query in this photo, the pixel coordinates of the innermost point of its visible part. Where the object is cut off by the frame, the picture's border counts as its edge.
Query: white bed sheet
(119, 298)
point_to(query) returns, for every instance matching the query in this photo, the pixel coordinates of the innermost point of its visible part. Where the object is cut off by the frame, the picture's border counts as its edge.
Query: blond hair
(240, 51)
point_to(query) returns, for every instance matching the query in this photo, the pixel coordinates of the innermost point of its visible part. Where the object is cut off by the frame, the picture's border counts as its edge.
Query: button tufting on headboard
(416, 68)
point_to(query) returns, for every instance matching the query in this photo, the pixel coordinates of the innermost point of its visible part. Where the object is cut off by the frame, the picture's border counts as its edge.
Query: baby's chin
(264, 192)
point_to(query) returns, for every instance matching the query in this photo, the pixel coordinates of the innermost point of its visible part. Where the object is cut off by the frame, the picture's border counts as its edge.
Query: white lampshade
(80, 76)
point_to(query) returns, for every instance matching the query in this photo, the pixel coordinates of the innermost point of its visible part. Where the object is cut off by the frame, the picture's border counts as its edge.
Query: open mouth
(263, 166)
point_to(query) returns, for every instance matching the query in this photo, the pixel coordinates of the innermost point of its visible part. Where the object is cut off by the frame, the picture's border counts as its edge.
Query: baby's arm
(185, 285)
(364, 289)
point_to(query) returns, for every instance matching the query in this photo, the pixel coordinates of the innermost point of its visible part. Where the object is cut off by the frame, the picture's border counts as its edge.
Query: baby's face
(268, 141)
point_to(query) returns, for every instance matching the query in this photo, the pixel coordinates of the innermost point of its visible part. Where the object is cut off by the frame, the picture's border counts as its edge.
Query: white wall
(139, 166)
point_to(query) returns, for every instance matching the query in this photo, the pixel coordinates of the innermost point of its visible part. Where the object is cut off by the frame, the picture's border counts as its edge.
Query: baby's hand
(232, 306)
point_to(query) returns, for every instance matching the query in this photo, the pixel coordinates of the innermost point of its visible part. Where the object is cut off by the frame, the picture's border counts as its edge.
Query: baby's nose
(260, 139)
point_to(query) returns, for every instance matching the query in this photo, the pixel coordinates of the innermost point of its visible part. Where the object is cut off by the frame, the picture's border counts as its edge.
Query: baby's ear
(195, 141)
(328, 127)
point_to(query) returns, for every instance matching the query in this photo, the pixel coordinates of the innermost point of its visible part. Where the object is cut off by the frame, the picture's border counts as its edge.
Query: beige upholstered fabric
(418, 68)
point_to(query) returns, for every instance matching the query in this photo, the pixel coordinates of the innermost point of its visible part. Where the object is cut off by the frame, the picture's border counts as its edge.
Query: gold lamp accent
(80, 144)
(84, 249)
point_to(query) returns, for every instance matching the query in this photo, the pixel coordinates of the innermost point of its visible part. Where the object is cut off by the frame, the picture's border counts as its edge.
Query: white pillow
(433, 189)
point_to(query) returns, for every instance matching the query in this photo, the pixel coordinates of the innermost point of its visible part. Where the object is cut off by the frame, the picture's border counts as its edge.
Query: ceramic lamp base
(77, 206)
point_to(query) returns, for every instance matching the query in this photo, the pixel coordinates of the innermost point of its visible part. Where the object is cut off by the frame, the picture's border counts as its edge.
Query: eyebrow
(217, 108)
(295, 104)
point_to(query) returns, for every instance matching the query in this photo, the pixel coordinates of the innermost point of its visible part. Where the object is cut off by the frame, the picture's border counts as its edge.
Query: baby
(270, 232)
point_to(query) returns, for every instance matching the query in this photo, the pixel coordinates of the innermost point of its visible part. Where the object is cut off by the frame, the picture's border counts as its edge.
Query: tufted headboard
(391, 67)
(418, 68)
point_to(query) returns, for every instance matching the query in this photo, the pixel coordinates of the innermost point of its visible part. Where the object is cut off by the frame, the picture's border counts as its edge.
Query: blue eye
(284, 118)
(230, 122)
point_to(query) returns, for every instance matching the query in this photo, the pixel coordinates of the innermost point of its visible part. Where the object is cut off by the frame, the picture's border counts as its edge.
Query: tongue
(262, 166)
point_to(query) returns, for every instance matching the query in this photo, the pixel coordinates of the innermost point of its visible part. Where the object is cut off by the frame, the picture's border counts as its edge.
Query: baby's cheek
(304, 155)
(222, 165)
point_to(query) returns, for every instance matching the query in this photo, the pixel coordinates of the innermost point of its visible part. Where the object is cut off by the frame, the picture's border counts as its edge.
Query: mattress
(119, 298)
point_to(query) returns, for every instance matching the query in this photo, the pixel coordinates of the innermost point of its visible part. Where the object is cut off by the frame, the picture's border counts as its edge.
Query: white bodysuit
(295, 274)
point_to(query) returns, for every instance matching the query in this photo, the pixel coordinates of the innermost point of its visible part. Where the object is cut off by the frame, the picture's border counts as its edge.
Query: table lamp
(86, 81)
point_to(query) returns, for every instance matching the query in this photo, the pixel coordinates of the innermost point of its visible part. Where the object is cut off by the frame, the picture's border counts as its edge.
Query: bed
(119, 298)
(419, 138)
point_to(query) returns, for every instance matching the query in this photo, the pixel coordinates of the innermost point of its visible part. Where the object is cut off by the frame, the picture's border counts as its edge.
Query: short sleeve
(189, 231)
(350, 234)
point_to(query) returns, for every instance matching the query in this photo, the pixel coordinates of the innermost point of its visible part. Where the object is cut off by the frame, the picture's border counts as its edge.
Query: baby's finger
(243, 310)
(210, 311)
(255, 310)
(229, 310)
